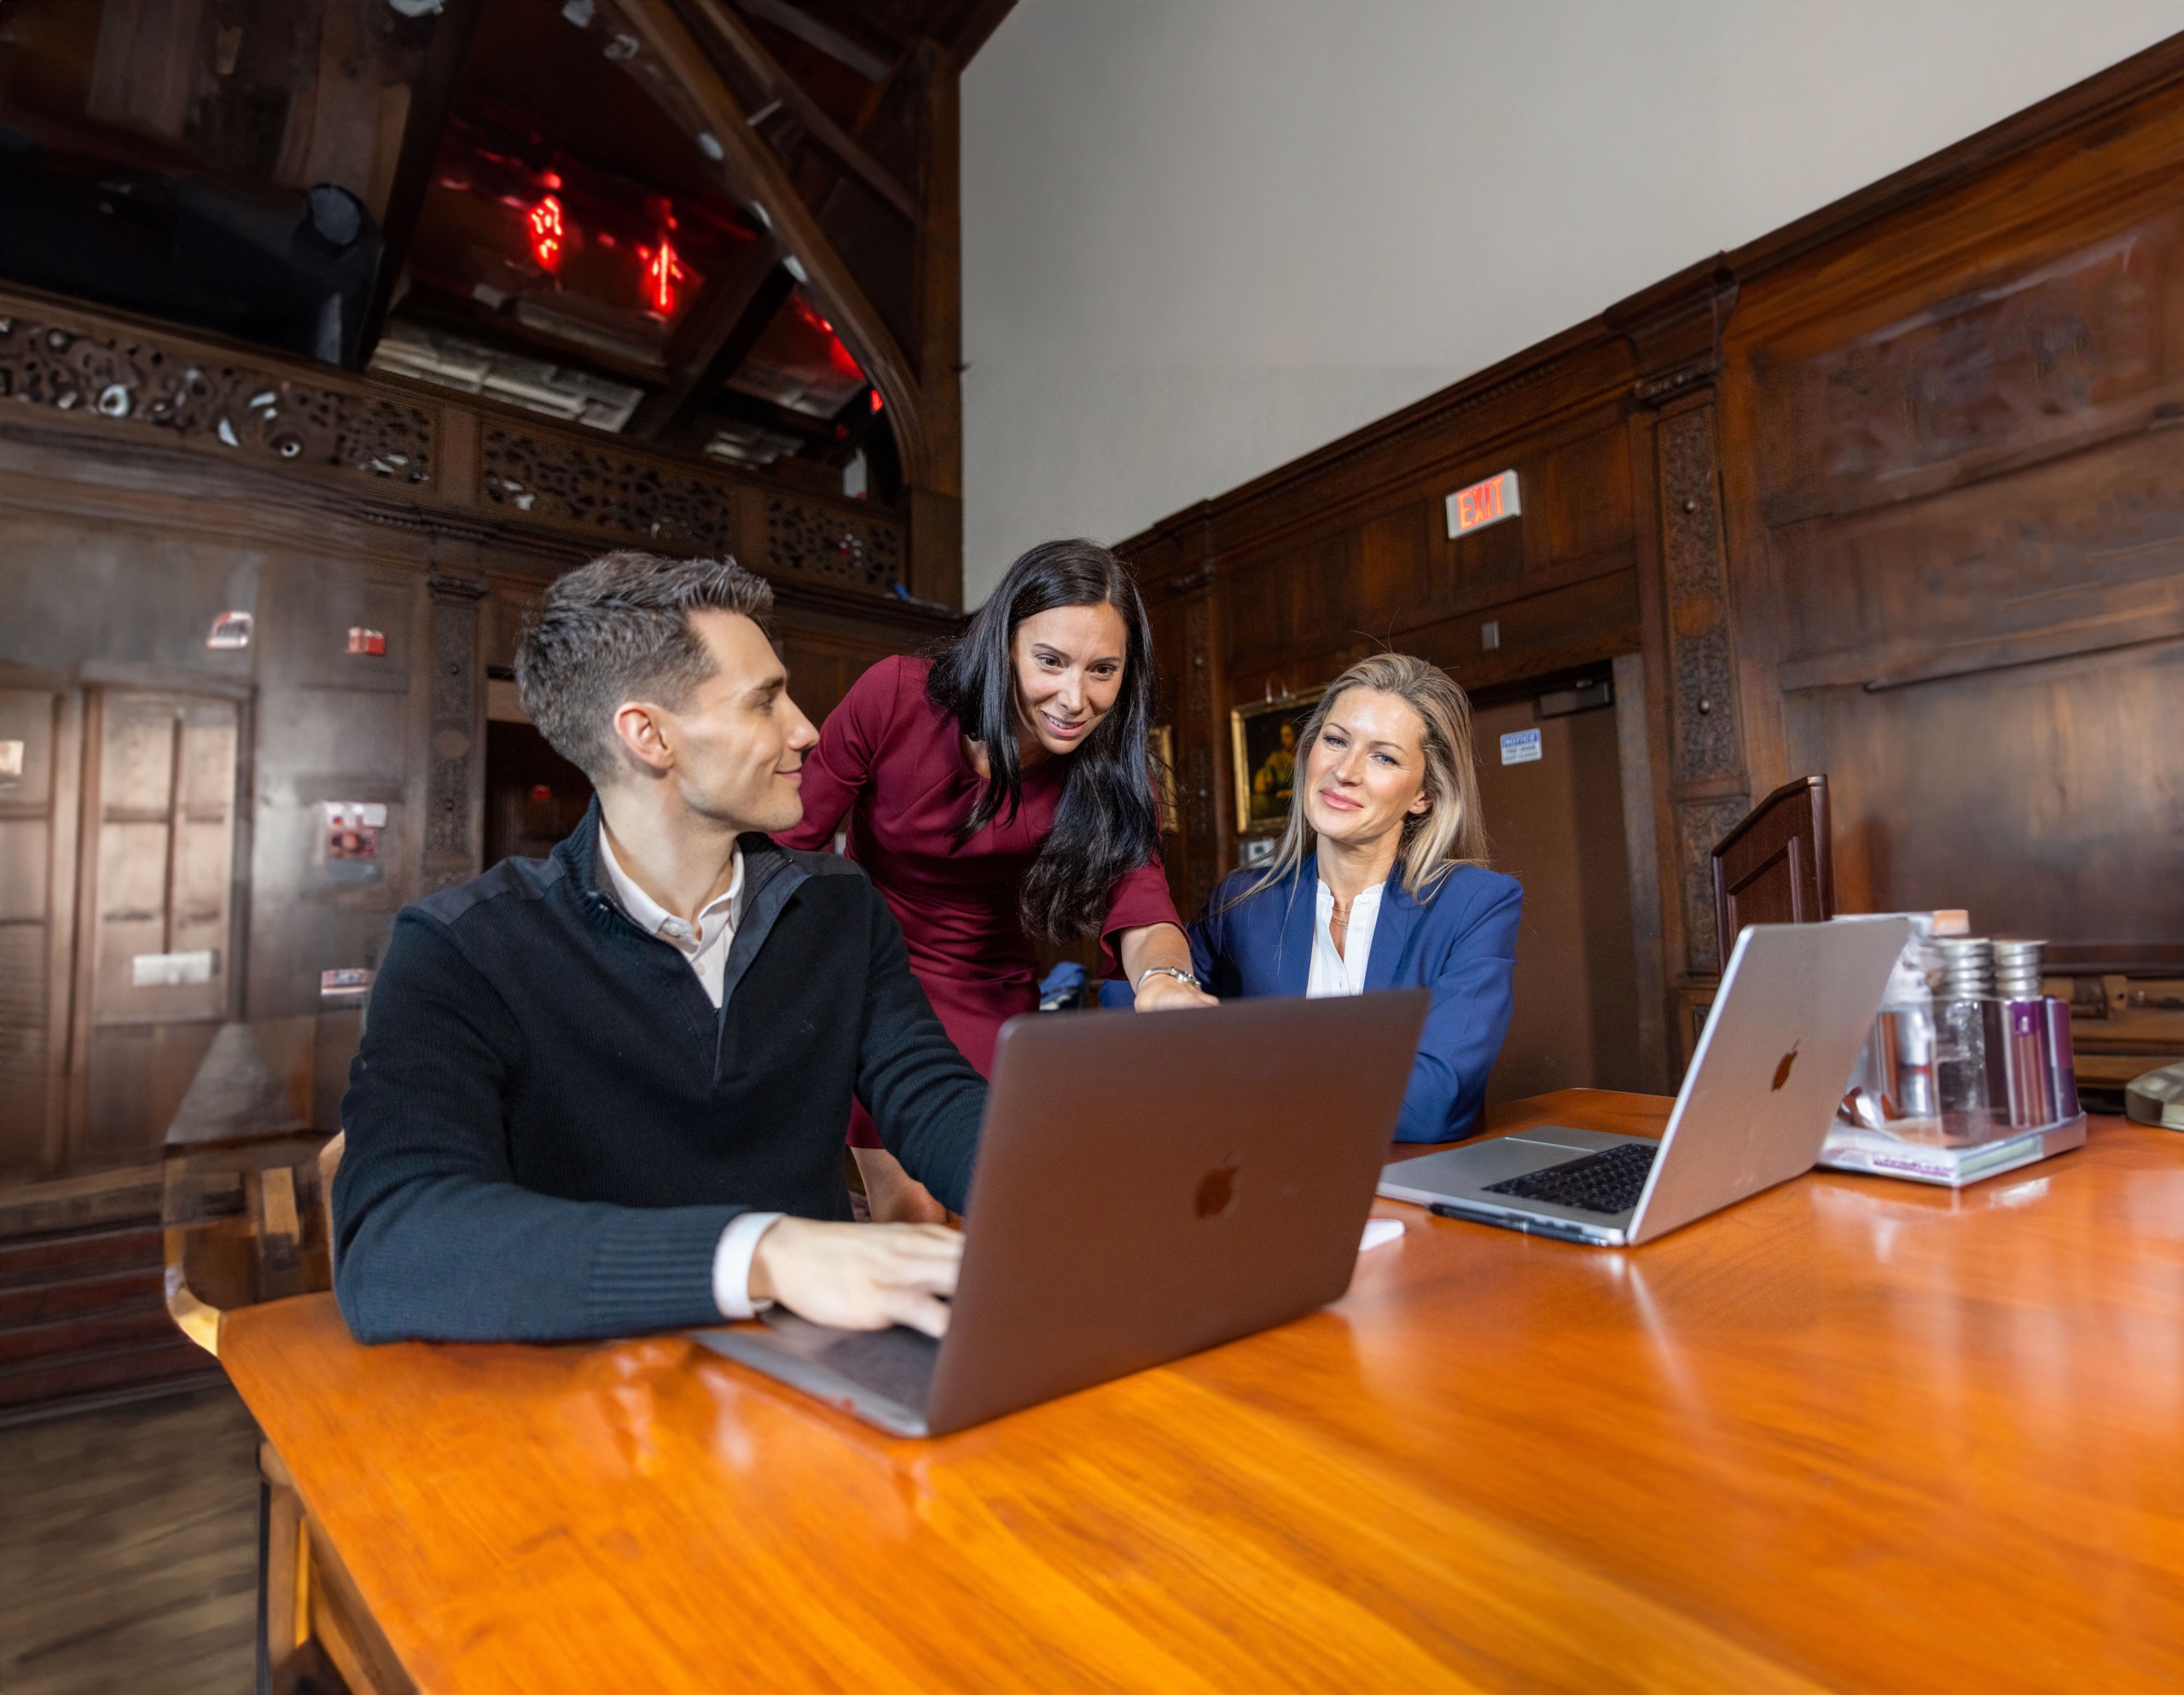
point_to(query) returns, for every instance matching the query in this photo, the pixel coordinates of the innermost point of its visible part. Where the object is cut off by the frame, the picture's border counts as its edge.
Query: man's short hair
(619, 629)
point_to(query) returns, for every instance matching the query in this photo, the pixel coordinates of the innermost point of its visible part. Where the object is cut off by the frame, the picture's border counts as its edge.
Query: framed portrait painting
(1161, 737)
(1265, 735)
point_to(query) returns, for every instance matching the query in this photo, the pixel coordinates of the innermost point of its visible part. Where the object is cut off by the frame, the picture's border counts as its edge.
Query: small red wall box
(363, 641)
(1484, 503)
(348, 982)
(352, 828)
(230, 631)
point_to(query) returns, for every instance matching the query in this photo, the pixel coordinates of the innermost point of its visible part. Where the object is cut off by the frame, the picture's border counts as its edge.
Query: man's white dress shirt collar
(707, 946)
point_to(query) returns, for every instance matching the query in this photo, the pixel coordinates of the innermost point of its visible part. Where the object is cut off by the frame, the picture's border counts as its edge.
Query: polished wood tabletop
(1852, 1434)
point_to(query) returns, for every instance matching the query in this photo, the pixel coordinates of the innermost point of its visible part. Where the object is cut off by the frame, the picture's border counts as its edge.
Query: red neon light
(545, 222)
(876, 402)
(663, 271)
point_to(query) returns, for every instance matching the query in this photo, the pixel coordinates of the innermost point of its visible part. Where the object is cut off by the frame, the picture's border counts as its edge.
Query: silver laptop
(1776, 1054)
(1146, 1187)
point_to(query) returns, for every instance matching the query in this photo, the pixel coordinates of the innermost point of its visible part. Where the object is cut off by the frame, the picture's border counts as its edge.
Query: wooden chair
(248, 1218)
(1774, 867)
(243, 1209)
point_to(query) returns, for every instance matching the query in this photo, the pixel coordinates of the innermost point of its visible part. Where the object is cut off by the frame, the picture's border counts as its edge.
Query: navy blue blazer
(1462, 944)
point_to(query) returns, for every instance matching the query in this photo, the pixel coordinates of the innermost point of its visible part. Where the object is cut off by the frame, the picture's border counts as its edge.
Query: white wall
(1201, 237)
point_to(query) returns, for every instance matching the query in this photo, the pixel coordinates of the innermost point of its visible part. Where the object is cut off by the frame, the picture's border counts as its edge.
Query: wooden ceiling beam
(735, 36)
(431, 98)
(693, 84)
(736, 321)
(935, 498)
(799, 23)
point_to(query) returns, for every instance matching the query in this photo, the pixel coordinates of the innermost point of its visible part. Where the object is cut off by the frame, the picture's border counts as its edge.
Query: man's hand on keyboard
(859, 1276)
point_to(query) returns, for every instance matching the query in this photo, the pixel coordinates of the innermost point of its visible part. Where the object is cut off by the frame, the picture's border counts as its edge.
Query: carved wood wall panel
(1705, 764)
(808, 540)
(453, 773)
(424, 463)
(2036, 359)
(594, 489)
(1701, 671)
(1700, 825)
(142, 381)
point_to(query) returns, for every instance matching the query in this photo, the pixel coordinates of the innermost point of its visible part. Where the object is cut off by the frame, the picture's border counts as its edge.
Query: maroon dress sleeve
(1141, 897)
(839, 768)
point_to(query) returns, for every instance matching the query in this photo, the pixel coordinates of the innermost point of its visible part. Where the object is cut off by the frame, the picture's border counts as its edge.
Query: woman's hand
(1166, 994)
(1161, 947)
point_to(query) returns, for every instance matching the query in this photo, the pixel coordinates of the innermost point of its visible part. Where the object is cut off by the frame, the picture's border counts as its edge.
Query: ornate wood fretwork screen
(453, 796)
(621, 499)
(822, 543)
(408, 455)
(203, 398)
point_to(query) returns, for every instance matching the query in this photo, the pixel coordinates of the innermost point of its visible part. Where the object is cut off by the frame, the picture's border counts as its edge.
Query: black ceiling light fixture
(332, 248)
(285, 270)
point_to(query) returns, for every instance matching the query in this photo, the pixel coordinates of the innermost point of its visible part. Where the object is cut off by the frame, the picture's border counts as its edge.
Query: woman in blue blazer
(1380, 881)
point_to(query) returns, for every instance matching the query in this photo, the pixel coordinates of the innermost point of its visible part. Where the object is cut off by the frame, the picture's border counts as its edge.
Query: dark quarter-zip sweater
(549, 1124)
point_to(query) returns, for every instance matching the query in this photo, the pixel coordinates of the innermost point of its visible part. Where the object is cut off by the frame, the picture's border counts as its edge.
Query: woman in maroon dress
(1001, 792)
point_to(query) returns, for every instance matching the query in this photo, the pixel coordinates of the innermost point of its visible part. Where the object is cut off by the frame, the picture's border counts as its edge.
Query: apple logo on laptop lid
(1782, 1070)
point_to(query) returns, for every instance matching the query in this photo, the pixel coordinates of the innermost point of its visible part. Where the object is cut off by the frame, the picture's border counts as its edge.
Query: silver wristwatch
(1175, 971)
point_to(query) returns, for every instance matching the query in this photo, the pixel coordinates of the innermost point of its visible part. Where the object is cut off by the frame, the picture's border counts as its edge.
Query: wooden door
(156, 975)
(39, 728)
(1554, 816)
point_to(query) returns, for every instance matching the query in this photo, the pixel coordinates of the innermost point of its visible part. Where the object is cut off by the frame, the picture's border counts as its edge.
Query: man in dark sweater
(605, 1092)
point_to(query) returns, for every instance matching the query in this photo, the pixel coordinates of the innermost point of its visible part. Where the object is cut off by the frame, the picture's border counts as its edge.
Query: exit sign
(1482, 503)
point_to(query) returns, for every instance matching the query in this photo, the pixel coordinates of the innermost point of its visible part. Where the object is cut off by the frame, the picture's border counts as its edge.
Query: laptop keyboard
(1608, 1181)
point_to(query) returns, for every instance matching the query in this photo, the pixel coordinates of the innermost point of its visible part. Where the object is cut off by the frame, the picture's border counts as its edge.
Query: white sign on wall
(1519, 747)
(171, 971)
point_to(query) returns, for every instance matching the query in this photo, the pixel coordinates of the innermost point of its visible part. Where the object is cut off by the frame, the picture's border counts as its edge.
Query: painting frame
(1254, 732)
(1160, 741)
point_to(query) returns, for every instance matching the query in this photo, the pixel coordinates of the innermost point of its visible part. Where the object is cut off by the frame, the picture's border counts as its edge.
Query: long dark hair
(1107, 823)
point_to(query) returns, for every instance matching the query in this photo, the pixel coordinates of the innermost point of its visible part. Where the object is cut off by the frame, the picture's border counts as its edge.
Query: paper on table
(1379, 1232)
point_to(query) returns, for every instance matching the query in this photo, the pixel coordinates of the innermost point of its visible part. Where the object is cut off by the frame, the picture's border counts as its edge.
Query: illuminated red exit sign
(1482, 503)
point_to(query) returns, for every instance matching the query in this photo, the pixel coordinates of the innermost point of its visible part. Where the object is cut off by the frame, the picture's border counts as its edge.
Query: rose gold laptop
(1147, 1185)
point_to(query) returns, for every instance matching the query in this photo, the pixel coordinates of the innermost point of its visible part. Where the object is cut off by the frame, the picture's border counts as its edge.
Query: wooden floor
(129, 1549)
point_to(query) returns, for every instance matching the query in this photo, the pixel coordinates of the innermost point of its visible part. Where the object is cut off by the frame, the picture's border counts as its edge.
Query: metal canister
(2029, 1064)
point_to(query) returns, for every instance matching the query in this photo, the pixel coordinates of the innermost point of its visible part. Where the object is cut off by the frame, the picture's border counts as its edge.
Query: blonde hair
(1451, 830)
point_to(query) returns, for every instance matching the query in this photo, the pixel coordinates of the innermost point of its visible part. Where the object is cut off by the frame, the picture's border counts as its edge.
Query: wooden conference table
(1851, 1433)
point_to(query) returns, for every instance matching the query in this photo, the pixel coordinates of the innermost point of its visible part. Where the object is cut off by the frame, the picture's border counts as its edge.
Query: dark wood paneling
(2047, 799)
(1588, 496)
(1354, 554)
(1890, 494)
(1585, 624)
(1957, 527)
